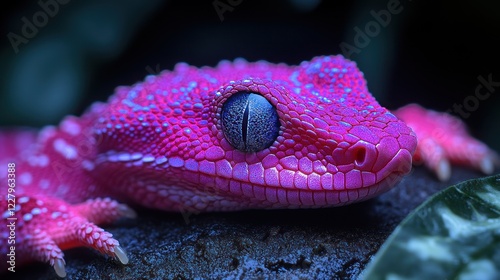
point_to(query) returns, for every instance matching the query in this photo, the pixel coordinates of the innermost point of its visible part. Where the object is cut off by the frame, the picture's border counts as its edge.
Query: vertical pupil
(245, 124)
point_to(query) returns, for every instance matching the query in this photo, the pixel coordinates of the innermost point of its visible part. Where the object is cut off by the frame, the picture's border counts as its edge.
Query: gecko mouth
(229, 193)
(280, 196)
(283, 197)
(399, 165)
(279, 186)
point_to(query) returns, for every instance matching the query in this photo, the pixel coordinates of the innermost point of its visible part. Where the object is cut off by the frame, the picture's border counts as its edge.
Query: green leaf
(453, 235)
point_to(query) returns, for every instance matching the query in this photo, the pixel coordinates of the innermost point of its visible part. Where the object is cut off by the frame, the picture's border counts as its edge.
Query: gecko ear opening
(249, 121)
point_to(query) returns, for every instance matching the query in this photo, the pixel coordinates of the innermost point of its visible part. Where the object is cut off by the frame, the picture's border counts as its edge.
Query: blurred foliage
(55, 46)
(453, 235)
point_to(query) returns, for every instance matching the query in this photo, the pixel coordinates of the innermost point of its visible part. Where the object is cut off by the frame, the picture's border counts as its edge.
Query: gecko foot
(47, 226)
(443, 140)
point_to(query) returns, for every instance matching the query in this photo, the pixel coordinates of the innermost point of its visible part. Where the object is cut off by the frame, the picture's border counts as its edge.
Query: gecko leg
(48, 226)
(443, 140)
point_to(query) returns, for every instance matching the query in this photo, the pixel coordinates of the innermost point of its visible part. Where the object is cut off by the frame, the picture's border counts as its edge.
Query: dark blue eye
(249, 122)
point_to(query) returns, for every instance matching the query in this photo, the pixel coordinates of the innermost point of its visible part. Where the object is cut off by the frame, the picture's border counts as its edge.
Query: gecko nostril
(360, 155)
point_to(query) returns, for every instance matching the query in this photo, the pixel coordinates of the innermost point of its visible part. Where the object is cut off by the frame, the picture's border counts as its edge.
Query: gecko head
(267, 135)
(316, 138)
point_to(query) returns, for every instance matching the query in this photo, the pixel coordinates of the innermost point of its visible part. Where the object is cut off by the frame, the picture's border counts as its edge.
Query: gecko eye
(249, 122)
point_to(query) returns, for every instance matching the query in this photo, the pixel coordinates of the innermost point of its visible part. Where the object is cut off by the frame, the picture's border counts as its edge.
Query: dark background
(430, 52)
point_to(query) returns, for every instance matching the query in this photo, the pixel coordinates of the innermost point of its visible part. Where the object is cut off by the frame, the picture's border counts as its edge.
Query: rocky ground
(334, 243)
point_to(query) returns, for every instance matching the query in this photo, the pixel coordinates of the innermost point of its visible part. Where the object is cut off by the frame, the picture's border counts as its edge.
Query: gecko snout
(377, 162)
(393, 157)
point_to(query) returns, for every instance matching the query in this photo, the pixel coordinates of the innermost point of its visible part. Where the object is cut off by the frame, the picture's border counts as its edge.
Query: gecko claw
(60, 267)
(487, 165)
(443, 170)
(121, 255)
(126, 211)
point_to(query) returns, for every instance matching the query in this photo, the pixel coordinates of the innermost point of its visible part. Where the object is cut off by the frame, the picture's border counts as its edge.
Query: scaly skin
(161, 144)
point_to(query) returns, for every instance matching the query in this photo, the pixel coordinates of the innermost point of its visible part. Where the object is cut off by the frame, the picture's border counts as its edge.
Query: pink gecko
(240, 135)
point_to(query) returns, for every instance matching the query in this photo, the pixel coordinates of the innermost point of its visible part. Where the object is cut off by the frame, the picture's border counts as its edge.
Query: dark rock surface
(334, 243)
